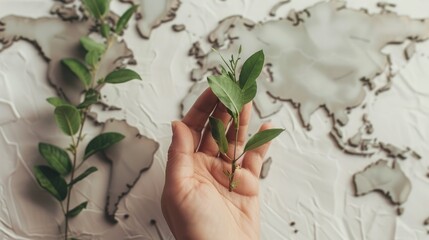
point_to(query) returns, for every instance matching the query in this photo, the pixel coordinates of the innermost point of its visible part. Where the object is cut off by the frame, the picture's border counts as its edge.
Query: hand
(196, 202)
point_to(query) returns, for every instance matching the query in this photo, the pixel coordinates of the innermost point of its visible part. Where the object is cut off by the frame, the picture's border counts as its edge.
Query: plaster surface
(308, 190)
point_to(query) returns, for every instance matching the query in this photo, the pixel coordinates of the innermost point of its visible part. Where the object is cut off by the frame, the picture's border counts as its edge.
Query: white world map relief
(348, 80)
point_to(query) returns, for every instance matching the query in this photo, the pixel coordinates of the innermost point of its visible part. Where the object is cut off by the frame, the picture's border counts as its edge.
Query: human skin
(196, 202)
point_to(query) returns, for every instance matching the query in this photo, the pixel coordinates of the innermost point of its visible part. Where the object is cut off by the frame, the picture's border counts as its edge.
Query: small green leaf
(79, 69)
(249, 92)
(92, 58)
(85, 174)
(56, 101)
(123, 20)
(251, 69)
(261, 138)
(102, 142)
(105, 30)
(91, 97)
(121, 76)
(228, 92)
(227, 174)
(97, 8)
(218, 133)
(223, 71)
(68, 119)
(56, 157)
(51, 181)
(233, 185)
(75, 211)
(90, 45)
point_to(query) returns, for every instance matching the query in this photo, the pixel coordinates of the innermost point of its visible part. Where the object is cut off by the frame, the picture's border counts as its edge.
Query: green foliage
(97, 8)
(75, 211)
(92, 58)
(68, 119)
(91, 97)
(218, 133)
(228, 92)
(102, 142)
(56, 157)
(249, 93)
(82, 176)
(79, 69)
(71, 118)
(123, 20)
(105, 30)
(121, 76)
(234, 94)
(51, 181)
(90, 45)
(94, 50)
(56, 101)
(233, 184)
(251, 69)
(261, 138)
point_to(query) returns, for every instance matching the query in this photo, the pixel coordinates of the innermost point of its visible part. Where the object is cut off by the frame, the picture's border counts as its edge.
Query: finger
(242, 132)
(208, 144)
(197, 116)
(253, 159)
(180, 164)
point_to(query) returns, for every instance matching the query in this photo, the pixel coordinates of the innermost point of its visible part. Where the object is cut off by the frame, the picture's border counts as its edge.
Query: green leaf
(218, 133)
(56, 157)
(51, 181)
(261, 138)
(227, 174)
(91, 45)
(102, 142)
(228, 92)
(79, 69)
(56, 101)
(105, 30)
(91, 97)
(85, 174)
(75, 211)
(68, 119)
(97, 8)
(249, 92)
(123, 20)
(92, 58)
(251, 69)
(121, 76)
(233, 185)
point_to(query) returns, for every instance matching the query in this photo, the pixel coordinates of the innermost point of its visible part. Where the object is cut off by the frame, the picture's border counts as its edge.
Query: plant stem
(79, 138)
(233, 164)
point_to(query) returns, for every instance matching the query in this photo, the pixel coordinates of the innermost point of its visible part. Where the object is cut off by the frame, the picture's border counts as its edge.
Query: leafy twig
(71, 118)
(234, 95)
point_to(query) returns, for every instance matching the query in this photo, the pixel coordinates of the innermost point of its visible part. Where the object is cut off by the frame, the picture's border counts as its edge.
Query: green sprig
(64, 163)
(234, 94)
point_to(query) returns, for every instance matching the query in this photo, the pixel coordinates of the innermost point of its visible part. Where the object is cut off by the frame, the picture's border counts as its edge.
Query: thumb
(180, 153)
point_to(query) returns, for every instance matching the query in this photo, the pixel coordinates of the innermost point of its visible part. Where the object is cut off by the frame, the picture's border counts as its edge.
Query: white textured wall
(310, 182)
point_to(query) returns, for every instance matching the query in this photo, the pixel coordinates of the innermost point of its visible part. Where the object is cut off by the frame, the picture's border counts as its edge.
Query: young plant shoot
(63, 164)
(234, 92)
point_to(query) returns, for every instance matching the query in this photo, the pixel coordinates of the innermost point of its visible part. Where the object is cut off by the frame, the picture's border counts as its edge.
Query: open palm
(196, 202)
